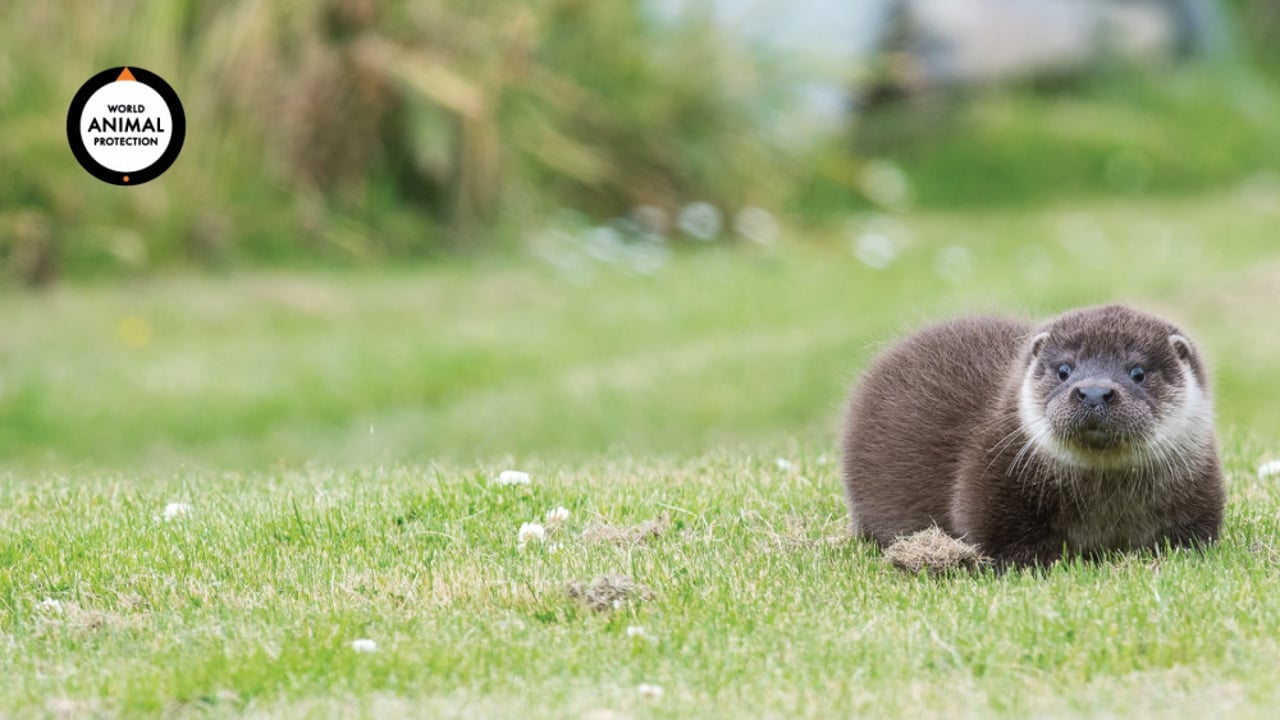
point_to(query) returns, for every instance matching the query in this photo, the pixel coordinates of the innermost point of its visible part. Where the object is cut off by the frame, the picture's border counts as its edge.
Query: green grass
(763, 606)
(335, 436)
(1128, 135)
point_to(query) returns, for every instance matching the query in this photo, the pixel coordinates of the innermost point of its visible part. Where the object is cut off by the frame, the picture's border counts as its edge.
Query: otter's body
(1092, 432)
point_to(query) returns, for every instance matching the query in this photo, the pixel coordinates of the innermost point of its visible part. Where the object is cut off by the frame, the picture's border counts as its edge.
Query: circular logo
(126, 126)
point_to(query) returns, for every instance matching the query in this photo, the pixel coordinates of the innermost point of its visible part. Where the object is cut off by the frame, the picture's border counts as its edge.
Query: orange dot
(126, 178)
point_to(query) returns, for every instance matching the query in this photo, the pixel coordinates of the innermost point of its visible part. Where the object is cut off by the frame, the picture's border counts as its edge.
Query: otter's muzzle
(1096, 394)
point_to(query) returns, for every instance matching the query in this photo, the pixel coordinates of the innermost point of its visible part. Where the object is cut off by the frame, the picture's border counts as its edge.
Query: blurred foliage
(350, 131)
(1110, 130)
(362, 129)
(1258, 26)
(1123, 133)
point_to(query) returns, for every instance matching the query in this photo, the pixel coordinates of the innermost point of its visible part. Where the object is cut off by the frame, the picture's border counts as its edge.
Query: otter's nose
(1095, 395)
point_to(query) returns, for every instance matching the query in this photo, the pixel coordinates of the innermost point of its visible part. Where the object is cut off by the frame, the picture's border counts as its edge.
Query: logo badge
(126, 126)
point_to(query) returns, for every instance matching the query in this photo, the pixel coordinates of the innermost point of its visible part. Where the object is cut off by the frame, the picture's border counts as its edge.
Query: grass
(335, 437)
(763, 606)
(1125, 135)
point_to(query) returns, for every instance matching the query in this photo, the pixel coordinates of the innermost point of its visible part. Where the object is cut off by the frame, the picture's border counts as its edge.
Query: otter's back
(910, 415)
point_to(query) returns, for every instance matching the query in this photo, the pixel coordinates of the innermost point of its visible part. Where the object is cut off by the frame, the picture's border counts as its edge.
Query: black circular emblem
(126, 126)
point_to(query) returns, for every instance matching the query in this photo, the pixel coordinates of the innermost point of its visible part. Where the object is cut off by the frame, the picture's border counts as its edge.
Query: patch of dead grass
(935, 551)
(608, 592)
(638, 534)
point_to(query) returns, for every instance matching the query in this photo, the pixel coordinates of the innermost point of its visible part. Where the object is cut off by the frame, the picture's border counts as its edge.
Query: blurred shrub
(355, 129)
(361, 130)
(1258, 25)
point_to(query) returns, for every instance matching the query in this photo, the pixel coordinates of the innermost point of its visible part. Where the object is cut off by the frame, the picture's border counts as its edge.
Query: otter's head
(1110, 384)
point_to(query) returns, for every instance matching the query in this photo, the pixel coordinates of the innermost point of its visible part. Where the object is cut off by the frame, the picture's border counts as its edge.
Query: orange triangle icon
(125, 75)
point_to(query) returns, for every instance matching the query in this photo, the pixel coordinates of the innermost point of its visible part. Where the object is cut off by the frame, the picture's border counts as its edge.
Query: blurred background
(403, 230)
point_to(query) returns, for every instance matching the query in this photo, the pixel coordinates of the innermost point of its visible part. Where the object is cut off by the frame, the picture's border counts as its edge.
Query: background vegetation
(358, 131)
(475, 361)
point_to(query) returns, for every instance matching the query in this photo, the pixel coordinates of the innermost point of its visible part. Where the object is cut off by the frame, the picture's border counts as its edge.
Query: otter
(1090, 433)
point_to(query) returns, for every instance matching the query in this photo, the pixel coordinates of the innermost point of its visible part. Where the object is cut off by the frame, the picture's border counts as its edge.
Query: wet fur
(962, 426)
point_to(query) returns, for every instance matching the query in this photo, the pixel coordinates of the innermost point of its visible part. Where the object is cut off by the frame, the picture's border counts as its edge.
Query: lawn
(214, 486)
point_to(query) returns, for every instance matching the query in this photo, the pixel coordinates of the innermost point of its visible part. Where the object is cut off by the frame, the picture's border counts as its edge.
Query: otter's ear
(1182, 347)
(1037, 343)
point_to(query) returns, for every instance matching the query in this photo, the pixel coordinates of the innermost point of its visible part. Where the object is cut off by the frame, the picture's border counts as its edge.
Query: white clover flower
(1269, 469)
(605, 244)
(364, 645)
(507, 478)
(649, 690)
(885, 184)
(50, 605)
(784, 465)
(701, 220)
(557, 516)
(530, 532)
(635, 631)
(756, 224)
(875, 250)
(176, 510)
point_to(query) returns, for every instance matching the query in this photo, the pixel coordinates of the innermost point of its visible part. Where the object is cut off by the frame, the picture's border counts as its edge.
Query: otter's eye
(1137, 374)
(1064, 372)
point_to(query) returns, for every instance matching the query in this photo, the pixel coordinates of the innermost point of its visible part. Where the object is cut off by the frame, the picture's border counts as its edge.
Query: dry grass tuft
(935, 551)
(70, 618)
(608, 592)
(627, 534)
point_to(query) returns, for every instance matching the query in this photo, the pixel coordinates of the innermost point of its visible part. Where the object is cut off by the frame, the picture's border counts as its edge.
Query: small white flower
(530, 532)
(175, 510)
(50, 605)
(784, 464)
(649, 690)
(885, 184)
(605, 244)
(875, 250)
(701, 220)
(364, 645)
(557, 516)
(507, 478)
(756, 224)
(635, 631)
(1269, 469)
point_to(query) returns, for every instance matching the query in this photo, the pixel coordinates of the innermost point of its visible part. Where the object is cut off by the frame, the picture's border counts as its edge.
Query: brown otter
(1090, 433)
